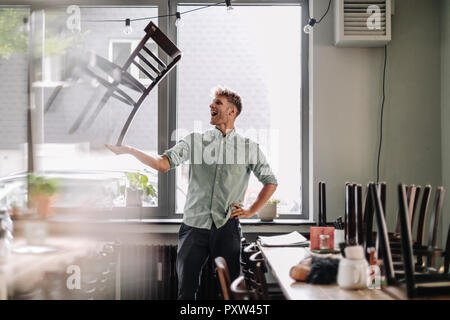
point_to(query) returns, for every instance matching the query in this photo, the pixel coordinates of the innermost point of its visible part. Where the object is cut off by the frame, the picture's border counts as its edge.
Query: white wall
(346, 96)
(445, 117)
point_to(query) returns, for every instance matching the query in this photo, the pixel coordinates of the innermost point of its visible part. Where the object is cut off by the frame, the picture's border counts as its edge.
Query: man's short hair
(232, 97)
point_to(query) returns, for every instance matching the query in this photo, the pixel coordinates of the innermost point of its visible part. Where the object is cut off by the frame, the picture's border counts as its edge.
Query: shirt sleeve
(179, 153)
(262, 170)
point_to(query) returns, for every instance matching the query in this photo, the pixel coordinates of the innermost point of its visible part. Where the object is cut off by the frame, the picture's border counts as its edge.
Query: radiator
(148, 272)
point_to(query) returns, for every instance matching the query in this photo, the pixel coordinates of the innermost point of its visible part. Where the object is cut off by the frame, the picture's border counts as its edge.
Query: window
(256, 51)
(13, 105)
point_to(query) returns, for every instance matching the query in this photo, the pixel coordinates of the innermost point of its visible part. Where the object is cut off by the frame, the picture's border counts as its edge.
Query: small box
(315, 233)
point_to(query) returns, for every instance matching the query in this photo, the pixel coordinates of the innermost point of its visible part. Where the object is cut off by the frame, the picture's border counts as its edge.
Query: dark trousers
(196, 245)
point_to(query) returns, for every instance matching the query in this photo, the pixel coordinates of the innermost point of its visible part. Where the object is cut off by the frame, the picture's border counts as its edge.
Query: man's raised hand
(117, 149)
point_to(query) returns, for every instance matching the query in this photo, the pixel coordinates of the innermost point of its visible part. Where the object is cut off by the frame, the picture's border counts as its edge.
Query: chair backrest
(239, 290)
(224, 277)
(382, 234)
(260, 282)
(157, 68)
(248, 251)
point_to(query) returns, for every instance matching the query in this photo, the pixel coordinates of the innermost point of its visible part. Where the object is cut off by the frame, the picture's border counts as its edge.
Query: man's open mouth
(213, 114)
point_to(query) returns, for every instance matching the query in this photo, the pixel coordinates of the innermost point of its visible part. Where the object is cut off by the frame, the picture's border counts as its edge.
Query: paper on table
(290, 239)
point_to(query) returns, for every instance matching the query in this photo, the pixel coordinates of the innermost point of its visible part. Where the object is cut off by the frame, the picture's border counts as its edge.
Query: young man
(221, 162)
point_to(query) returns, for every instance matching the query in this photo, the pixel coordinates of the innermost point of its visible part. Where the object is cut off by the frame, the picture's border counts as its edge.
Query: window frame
(305, 114)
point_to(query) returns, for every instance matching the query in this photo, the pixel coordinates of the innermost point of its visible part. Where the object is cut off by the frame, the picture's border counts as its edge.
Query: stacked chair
(426, 282)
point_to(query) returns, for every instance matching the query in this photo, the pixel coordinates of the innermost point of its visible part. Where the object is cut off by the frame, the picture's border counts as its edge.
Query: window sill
(163, 226)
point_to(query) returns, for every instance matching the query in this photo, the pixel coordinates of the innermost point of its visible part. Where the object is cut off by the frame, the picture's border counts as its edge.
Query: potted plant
(269, 211)
(42, 193)
(138, 187)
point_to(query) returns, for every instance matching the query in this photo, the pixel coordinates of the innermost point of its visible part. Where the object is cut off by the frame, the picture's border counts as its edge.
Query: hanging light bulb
(178, 21)
(127, 30)
(229, 6)
(25, 27)
(310, 26)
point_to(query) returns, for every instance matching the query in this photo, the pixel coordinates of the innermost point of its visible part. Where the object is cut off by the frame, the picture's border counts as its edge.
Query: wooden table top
(281, 259)
(23, 270)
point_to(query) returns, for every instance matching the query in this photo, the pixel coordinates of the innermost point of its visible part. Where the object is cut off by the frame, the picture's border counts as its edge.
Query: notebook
(293, 239)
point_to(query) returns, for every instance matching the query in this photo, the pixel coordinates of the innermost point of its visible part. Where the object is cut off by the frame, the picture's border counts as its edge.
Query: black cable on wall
(382, 113)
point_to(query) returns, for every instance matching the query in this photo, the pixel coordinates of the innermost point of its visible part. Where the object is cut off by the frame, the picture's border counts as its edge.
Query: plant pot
(133, 198)
(43, 205)
(268, 212)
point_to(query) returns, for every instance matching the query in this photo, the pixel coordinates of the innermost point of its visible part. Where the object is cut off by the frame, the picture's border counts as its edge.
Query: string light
(25, 27)
(310, 26)
(128, 29)
(178, 21)
(229, 6)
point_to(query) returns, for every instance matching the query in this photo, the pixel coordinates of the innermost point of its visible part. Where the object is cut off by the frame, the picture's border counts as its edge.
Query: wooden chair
(264, 290)
(420, 248)
(224, 277)
(409, 276)
(418, 284)
(154, 68)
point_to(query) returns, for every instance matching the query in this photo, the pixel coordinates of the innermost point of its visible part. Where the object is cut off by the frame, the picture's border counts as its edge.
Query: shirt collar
(230, 134)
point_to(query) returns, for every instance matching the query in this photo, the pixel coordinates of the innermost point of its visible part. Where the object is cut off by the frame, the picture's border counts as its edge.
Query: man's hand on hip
(241, 212)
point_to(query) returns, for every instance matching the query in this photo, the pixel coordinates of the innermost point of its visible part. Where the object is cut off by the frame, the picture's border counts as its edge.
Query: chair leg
(128, 123)
(447, 252)
(132, 114)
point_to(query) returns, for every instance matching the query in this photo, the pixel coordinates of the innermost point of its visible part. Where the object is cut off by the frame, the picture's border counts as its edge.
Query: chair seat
(111, 68)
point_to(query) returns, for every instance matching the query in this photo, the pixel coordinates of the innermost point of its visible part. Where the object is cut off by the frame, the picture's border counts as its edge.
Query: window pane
(13, 106)
(68, 148)
(256, 52)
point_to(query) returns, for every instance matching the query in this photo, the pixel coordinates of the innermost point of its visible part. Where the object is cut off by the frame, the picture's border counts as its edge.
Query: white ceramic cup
(353, 270)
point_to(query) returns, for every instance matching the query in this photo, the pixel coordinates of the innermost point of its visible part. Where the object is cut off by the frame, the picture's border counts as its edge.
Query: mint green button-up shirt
(219, 171)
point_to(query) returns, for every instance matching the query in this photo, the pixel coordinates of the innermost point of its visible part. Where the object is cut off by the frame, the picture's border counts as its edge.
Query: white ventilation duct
(362, 23)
